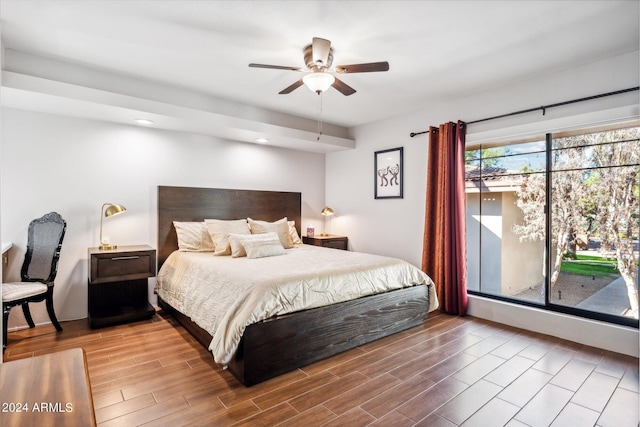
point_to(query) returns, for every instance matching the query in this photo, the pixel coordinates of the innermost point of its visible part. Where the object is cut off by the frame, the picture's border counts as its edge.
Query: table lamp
(111, 210)
(326, 212)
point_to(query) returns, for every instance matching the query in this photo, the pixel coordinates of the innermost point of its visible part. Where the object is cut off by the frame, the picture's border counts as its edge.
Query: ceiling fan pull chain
(319, 115)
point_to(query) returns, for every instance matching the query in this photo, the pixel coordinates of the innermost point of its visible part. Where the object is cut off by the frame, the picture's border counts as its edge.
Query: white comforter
(223, 295)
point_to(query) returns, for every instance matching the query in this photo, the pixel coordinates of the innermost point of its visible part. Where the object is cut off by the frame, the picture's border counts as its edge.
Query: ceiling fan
(318, 57)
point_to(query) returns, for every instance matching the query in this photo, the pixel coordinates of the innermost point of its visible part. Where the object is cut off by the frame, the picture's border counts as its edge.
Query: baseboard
(607, 336)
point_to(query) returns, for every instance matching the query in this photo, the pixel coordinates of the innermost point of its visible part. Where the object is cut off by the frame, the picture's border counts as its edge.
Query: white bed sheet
(223, 295)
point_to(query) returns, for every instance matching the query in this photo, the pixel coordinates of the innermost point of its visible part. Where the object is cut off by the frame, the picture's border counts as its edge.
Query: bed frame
(284, 343)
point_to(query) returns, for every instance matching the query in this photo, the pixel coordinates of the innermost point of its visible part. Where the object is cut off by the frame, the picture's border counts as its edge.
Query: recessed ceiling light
(144, 122)
(262, 140)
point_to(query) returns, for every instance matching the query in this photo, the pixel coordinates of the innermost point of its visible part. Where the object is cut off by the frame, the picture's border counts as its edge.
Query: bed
(277, 344)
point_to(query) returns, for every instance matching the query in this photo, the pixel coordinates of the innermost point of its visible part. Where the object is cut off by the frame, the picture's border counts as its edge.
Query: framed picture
(388, 174)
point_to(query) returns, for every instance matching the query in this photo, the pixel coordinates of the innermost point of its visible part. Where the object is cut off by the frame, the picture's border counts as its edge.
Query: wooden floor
(450, 371)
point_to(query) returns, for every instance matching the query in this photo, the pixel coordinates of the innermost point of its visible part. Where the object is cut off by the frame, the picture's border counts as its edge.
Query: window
(554, 222)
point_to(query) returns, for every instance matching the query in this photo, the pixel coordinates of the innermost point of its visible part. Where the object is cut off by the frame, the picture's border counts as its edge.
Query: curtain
(444, 256)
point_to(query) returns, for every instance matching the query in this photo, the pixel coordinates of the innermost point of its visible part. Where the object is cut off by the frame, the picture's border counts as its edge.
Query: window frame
(548, 304)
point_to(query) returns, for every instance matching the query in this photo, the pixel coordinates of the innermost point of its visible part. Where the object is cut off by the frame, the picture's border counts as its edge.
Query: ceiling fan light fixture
(318, 82)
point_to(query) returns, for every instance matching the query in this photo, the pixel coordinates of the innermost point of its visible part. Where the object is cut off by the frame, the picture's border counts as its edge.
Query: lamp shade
(113, 209)
(318, 82)
(327, 211)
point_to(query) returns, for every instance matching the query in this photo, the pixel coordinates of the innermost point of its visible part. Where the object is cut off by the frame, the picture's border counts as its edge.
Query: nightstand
(118, 283)
(329, 241)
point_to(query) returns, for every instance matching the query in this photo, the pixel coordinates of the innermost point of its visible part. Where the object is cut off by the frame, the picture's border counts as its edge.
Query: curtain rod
(544, 108)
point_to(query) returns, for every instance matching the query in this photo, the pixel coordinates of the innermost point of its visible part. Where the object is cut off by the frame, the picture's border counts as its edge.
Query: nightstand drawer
(335, 244)
(116, 265)
(123, 265)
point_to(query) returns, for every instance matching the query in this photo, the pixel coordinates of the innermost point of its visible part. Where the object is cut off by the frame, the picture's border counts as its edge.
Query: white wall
(522, 262)
(72, 166)
(395, 226)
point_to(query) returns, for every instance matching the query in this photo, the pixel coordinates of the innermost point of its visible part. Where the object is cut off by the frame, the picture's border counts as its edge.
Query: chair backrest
(44, 242)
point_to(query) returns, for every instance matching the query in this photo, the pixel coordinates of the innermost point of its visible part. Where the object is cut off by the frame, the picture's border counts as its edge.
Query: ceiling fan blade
(276, 67)
(320, 49)
(343, 88)
(291, 88)
(363, 68)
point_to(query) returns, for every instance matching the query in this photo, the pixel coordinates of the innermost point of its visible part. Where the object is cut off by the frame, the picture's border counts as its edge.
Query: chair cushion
(20, 290)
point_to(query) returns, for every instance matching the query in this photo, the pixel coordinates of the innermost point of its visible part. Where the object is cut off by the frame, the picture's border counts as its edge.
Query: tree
(566, 188)
(618, 203)
(491, 157)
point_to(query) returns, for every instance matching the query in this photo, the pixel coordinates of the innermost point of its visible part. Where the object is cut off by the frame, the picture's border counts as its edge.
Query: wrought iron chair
(39, 270)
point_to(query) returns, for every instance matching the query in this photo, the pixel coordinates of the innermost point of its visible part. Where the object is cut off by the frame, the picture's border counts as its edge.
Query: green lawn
(595, 258)
(590, 265)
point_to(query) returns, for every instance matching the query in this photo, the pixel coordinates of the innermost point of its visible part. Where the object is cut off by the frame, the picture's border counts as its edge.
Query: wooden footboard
(284, 343)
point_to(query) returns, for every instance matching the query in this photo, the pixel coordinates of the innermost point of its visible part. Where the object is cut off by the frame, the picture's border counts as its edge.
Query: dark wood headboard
(198, 204)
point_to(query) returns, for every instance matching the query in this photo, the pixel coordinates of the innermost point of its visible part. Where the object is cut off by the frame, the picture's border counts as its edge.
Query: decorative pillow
(263, 247)
(219, 231)
(280, 227)
(294, 237)
(193, 237)
(237, 242)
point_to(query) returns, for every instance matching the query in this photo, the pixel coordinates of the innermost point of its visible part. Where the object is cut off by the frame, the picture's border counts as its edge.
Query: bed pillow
(235, 243)
(294, 237)
(239, 241)
(267, 245)
(280, 227)
(193, 237)
(219, 231)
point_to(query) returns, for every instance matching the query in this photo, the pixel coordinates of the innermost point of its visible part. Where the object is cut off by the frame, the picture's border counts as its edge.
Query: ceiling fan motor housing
(308, 59)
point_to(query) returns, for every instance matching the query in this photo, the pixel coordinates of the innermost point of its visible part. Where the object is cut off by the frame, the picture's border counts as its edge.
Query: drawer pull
(118, 258)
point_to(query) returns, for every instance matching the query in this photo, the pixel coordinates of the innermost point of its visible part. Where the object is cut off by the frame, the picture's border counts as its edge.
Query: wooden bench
(51, 390)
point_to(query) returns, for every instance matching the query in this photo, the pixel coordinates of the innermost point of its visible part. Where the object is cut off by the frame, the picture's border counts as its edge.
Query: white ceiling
(436, 49)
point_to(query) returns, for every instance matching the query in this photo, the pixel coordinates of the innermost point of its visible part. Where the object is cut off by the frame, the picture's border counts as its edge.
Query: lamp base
(107, 247)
